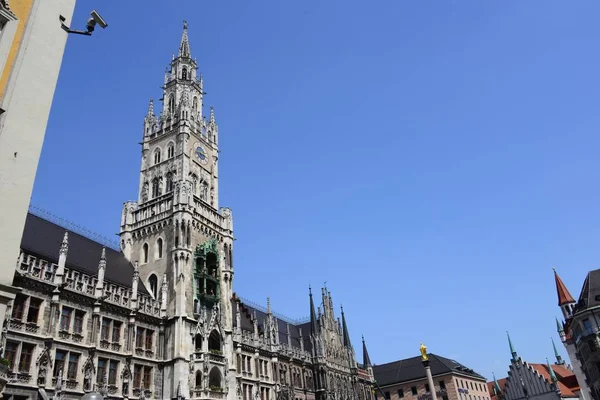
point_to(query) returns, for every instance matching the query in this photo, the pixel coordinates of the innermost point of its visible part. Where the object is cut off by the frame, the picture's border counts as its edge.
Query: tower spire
(496, 386)
(313, 315)
(512, 348)
(551, 371)
(559, 360)
(366, 358)
(345, 330)
(184, 46)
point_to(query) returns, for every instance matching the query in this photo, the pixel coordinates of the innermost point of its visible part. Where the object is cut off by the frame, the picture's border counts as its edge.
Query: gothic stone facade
(159, 318)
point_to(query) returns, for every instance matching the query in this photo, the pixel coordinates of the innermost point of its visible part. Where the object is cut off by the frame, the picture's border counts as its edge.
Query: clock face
(201, 154)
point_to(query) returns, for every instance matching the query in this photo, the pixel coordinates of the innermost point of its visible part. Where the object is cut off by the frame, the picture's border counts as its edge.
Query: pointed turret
(62, 260)
(559, 360)
(497, 390)
(184, 46)
(313, 315)
(513, 353)
(101, 272)
(211, 119)
(150, 112)
(366, 358)
(560, 330)
(564, 297)
(551, 372)
(345, 330)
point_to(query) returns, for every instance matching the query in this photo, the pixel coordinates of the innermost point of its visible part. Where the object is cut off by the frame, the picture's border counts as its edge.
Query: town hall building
(157, 317)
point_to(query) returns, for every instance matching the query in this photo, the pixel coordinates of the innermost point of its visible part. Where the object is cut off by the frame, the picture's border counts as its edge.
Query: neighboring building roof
(567, 382)
(412, 369)
(590, 292)
(43, 239)
(564, 297)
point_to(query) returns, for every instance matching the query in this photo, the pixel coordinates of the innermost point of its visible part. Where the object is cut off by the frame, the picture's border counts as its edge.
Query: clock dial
(201, 154)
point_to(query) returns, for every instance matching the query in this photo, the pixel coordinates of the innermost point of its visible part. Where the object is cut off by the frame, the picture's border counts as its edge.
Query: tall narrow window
(25, 360)
(169, 182)
(195, 104)
(159, 248)
(65, 318)
(156, 156)
(171, 103)
(101, 371)
(72, 368)
(145, 253)
(184, 73)
(204, 194)
(34, 310)
(112, 372)
(59, 362)
(170, 151)
(153, 282)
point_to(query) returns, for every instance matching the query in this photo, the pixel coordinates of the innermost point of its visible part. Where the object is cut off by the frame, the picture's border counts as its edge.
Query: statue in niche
(87, 380)
(145, 192)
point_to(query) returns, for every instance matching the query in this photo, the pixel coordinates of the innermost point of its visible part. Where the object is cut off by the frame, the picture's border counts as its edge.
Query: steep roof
(564, 297)
(567, 382)
(412, 369)
(43, 239)
(590, 292)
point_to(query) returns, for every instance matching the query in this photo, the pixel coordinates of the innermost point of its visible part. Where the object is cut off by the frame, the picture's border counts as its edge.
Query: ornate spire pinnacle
(269, 305)
(313, 315)
(559, 327)
(551, 371)
(64, 247)
(564, 297)
(559, 360)
(184, 47)
(102, 258)
(512, 348)
(150, 109)
(366, 358)
(211, 119)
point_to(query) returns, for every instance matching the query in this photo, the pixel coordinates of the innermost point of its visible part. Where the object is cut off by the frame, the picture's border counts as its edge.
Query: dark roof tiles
(43, 239)
(412, 368)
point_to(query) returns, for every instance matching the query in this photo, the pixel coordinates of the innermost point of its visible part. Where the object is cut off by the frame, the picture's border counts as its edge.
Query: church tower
(179, 237)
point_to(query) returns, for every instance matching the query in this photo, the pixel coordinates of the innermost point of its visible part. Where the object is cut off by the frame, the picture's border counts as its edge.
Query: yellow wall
(21, 8)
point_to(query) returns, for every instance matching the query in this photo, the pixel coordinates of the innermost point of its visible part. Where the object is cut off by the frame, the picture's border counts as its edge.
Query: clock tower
(179, 238)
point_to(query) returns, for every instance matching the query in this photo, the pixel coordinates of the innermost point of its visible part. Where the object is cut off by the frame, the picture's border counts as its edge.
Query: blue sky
(430, 160)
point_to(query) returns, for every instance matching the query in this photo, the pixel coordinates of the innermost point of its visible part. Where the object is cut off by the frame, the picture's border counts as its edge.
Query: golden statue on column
(423, 350)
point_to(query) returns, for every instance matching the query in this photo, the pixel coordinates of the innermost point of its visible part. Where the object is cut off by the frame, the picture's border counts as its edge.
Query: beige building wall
(455, 387)
(31, 52)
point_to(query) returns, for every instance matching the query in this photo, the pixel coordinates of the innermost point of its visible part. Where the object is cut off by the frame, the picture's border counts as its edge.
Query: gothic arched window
(214, 378)
(169, 182)
(184, 73)
(159, 248)
(170, 151)
(171, 103)
(214, 341)
(198, 379)
(155, 188)
(153, 281)
(145, 253)
(195, 104)
(156, 156)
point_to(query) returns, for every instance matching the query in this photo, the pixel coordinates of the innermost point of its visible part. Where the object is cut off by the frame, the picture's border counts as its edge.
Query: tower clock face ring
(200, 153)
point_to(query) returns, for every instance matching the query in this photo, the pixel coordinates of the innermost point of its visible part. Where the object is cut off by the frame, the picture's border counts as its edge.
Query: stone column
(429, 378)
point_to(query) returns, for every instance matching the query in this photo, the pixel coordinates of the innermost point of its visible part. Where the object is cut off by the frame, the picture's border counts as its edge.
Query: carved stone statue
(423, 350)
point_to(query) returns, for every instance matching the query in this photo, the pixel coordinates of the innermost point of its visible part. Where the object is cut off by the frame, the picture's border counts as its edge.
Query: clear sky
(430, 160)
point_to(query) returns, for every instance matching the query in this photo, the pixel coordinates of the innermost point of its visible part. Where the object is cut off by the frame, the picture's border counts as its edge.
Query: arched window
(198, 379)
(170, 151)
(214, 342)
(171, 103)
(159, 248)
(153, 282)
(145, 253)
(195, 104)
(169, 182)
(194, 185)
(155, 188)
(184, 73)
(214, 378)
(198, 342)
(156, 156)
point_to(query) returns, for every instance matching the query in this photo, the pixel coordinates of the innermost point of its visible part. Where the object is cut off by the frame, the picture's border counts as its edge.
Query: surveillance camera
(97, 18)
